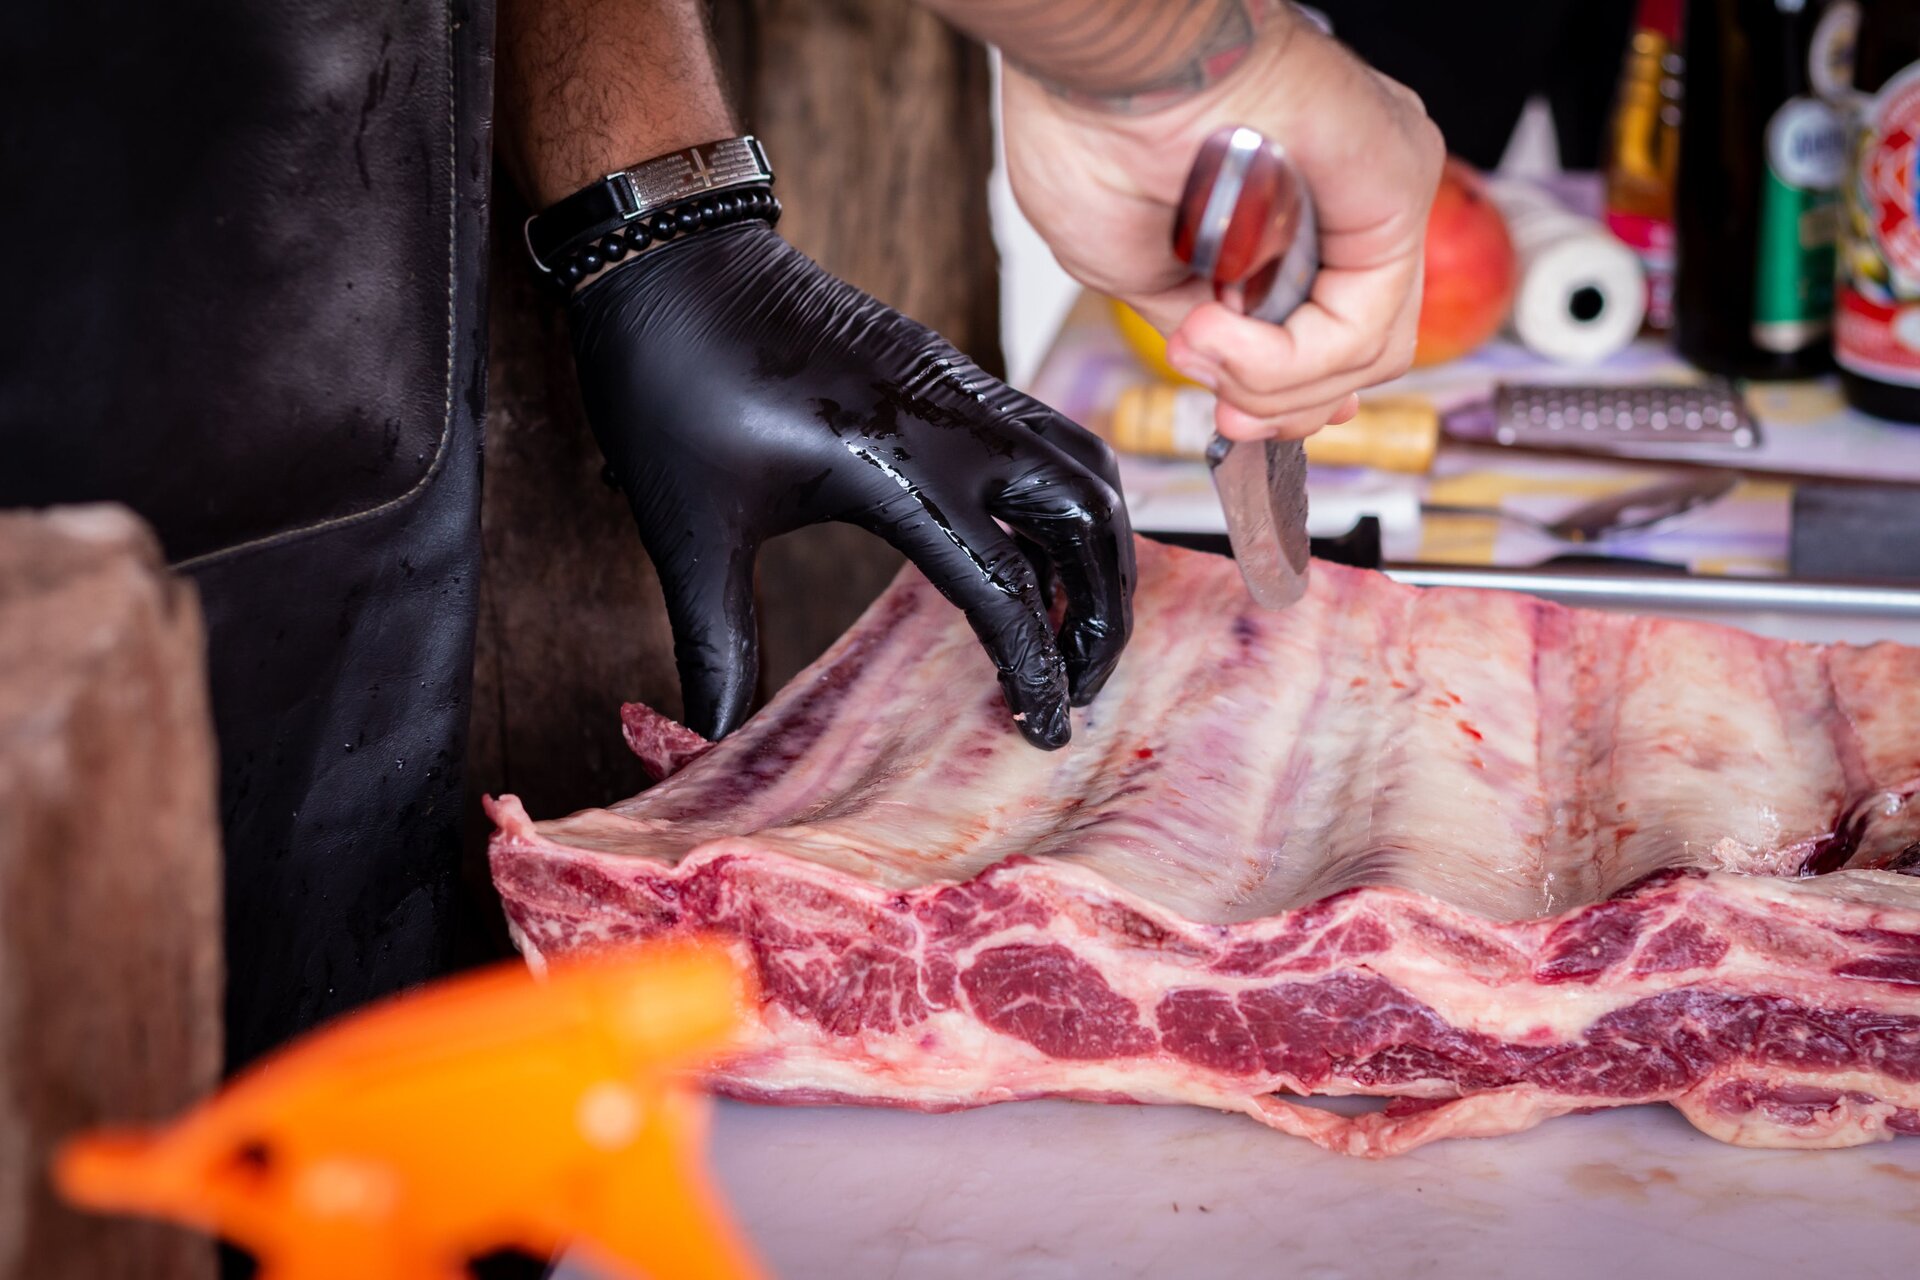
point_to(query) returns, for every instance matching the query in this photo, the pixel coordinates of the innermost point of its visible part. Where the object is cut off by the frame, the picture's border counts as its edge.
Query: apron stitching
(446, 425)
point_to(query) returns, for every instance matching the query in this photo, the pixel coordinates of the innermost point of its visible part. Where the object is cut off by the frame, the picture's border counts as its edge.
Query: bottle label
(1806, 148)
(1651, 240)
(1877, 324)
(1830, 60)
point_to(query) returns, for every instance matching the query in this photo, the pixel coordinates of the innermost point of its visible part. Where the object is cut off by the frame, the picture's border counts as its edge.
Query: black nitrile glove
(740, 392)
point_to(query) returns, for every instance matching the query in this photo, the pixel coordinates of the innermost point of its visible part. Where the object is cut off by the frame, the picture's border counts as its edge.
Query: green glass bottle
(1762, 157)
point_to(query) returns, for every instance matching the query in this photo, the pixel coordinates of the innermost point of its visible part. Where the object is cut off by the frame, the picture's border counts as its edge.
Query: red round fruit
(1467, 289)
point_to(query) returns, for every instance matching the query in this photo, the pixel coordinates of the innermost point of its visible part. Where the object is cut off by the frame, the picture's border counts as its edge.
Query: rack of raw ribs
(1486, 857)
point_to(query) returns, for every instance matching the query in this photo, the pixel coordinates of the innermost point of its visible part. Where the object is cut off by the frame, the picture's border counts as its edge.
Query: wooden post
(109, 876)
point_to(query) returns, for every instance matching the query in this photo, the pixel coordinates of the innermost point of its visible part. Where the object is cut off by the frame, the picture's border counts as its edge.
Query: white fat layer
(1508, 757)
(1482, 759)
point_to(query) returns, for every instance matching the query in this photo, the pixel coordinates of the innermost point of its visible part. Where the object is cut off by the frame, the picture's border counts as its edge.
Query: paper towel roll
(1582, 293)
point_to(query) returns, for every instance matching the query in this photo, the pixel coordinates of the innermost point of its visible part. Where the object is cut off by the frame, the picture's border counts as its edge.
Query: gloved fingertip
(705, 722)
(1040, 716)
(715, 725)
(1091, 651)
(715, 707)
(1087, 682)
(1051, 731)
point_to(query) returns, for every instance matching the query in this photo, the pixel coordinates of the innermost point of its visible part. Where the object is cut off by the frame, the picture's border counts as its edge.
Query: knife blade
(1263, 490)
(1246, 225)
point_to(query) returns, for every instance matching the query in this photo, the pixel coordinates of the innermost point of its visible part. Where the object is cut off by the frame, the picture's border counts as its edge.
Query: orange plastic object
(491, 1111)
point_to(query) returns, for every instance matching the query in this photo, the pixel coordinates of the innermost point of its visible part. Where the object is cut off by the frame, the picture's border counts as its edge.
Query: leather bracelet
(590, 215)
(582, 265)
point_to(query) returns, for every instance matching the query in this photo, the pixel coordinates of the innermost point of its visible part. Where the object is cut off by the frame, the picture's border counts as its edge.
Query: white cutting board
(1051, 1190)
(1048, 1190)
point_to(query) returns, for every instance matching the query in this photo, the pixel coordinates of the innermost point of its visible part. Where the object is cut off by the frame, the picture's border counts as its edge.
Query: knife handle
(1245, 224)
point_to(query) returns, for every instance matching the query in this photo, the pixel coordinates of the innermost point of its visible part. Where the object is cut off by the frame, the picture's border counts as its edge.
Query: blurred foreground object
(1467, 288)
(110, 857)
(497, 1110)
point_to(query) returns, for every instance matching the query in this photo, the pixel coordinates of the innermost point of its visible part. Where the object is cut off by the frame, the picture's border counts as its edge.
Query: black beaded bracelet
(651, 230)
(590, 214)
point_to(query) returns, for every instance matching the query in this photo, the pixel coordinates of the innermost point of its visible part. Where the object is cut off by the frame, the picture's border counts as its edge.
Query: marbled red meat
(1490, 858)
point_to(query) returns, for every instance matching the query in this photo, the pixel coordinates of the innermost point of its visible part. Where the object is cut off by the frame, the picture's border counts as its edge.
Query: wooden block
(109, 876)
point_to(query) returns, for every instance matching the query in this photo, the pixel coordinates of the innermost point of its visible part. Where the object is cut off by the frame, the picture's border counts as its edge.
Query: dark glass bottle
(1877, 334)
(1762, 155)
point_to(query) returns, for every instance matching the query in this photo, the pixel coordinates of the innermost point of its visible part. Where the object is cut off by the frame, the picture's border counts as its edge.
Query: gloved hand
(740, 392)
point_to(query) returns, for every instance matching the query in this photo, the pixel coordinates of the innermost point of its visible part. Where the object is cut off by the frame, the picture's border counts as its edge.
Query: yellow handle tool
(1391, 433)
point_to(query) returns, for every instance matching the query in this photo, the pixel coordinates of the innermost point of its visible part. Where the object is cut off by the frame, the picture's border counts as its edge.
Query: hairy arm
(591, 86)
(1128, 55)
(1107, 102)
(704, 369)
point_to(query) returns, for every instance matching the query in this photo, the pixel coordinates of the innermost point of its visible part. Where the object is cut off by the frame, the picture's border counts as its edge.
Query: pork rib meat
(1493, 859)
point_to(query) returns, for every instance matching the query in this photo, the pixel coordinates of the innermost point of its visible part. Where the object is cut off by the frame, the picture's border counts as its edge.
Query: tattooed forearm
(1127, 55)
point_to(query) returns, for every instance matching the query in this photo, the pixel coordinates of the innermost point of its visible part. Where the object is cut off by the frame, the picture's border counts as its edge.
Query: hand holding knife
(1246, 224)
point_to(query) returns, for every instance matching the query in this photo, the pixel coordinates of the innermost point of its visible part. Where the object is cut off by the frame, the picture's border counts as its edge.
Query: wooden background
(875, 116)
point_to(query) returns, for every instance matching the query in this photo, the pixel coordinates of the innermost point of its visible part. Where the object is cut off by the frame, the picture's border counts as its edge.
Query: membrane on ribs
(1488, 857)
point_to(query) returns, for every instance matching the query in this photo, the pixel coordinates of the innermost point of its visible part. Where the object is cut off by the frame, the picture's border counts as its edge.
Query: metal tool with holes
(1601, 419)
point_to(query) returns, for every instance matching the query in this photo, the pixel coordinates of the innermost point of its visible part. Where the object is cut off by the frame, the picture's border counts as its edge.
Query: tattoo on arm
(1121, 55)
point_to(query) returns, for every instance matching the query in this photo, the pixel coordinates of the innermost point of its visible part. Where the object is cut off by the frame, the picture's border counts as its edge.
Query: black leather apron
(241, 245)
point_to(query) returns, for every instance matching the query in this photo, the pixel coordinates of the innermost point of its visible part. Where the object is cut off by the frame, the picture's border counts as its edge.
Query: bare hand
(1101, 187)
